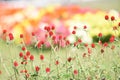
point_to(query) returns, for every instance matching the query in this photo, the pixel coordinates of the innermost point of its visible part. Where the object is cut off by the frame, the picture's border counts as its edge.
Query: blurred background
(26, 16)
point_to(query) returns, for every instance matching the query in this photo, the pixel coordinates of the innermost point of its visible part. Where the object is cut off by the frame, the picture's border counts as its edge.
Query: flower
(21, 54)
(112, 47)
(112, 38)
(4, 31)
(23, 48)
(33, 34)
(69, 59)
(102, 50)
(0, 72)
(37, 68)
(86, 45)
(112, 18)
(21, 35)
(47, 70)
(84, 54)
(75, 27)
(41, 57)
(31, 57)
(100, 35)
(119, 24)
(114, 28)
(25, 57)
(106, 17)
(50, 33)
(93, 45)
(53, 37)
(84, 27)
(75, 72)
(11, 37)
(28, 53)
(15, 63)
(56, 62)
(105, 44)
(73, 32)
(52, 27)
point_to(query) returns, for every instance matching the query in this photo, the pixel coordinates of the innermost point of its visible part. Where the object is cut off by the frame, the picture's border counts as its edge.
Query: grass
(97, 66)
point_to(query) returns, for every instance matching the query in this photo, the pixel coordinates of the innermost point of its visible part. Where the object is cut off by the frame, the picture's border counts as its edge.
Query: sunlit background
(26, 16)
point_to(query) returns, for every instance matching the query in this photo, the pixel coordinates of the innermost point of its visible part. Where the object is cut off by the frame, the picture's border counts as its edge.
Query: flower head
(31, 57)
(11, 37)
(15, 63)
(37, 68)
(41, 57)
(47, 70)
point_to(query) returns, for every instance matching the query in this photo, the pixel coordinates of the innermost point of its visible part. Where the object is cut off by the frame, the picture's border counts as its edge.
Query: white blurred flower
(80, 31)
(71, 38)
(114, 13)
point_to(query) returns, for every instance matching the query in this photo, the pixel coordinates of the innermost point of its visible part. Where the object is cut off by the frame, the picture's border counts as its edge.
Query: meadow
(71, 61)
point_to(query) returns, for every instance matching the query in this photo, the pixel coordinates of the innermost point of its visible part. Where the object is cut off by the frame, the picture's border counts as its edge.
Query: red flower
(0, 72)
(31, 57)
(102, 50)
(4, 31)
(75, 44)
(21, 54)
(100, 35)
(53, 37)
(75, 72)
(41, 57)
(84, 27)
(42, 42)
(112, 18)
(25, 57)
(21, 35)
(52, 27)
(105, 44)
(86, 45)
(114, 28)
(112, 38)
(84, 54)
(73, 32)
(33, 34)
(89, 51)
(28, 53)
(37, 68)
(100, 42)
(112, 47)
(75, 27)
(39, 44)
(15, 63)
(106, 17)
(67, 42)
(50, 33)
(47, 28)
(79, 40)
(25, 71)
(11, 37)
(23, 48)
(119, 24)
(93, 45)
(69, 59)
(27, 75)
(47, 70)
(56, 62)
(46, 35)
(60, 37)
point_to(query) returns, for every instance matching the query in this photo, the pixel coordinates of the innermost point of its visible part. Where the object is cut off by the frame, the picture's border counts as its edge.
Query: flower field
(28, 54)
